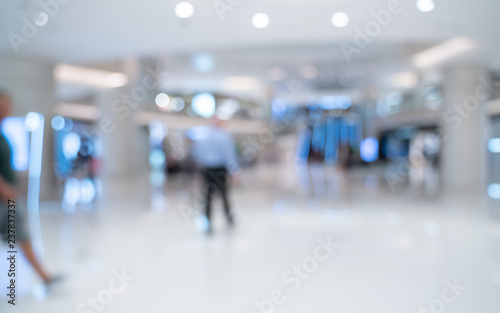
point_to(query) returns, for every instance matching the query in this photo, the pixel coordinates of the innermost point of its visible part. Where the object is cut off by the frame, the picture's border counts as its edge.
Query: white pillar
(31, 88)
(125, 145)
(464, 125)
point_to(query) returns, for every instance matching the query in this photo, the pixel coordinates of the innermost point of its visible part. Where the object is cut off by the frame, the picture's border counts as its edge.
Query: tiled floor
(398, 251)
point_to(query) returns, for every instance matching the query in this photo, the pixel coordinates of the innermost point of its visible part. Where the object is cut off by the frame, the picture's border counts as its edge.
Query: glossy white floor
(398, 251)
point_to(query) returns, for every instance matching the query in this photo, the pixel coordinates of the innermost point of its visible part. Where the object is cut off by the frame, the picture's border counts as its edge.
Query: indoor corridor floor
(292, 250)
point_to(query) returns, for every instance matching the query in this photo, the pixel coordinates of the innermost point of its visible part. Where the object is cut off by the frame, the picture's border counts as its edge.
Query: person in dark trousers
(8, 196)
(215, 153)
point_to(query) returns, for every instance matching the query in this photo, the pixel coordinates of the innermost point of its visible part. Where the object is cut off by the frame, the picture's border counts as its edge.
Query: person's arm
(7, 191)
(233, 165)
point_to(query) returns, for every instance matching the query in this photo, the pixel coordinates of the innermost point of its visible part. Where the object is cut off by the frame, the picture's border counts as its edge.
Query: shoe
(54, 280)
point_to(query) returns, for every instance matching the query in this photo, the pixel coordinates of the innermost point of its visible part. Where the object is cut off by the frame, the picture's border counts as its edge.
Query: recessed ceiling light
(184, 10)
(340, 19)
(445, 51)
(203, 104)
(162, 100)
(260, 20)
(117, 80)
(425, 5)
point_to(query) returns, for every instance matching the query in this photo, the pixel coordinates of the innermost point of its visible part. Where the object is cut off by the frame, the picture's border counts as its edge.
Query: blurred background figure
(215, 153)
(8, 192)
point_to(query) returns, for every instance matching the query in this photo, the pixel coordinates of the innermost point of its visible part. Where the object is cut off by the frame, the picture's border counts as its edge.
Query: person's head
(5, 105)
(217, 122)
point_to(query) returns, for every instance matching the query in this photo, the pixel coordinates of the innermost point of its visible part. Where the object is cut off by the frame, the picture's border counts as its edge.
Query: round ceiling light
(260, 20)
(340, 19)
(184, 10)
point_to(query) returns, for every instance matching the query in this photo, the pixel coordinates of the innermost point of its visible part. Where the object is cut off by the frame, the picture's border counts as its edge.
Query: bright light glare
(71, 145)
(494, 191)
(32, 121)
(58, 123)
(405, 79)
(157, 159)
(201, 223)
(157, 132)
(328, 102)
(444, 51)
(368, 149)
(494, 145)
(227, 109)
(12, 128)
(88, 76)
(241, 83)
(184, 10)
(87, 191)
(71, 194)
(425, 5)
(340, 19)
(335, 102)
(117, 80)
(260, 20)
(344, 102)
(203, 104)
(203, 62)
(162, 100)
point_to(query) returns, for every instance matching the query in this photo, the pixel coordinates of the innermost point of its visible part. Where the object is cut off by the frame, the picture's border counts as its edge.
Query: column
(125, 144)
(464, 126)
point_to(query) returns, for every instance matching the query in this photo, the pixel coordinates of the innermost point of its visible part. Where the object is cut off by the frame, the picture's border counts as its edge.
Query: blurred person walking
(8, 195)
(215, 153)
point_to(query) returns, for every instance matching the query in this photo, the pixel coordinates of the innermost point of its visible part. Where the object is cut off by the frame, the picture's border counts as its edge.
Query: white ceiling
(92, 31)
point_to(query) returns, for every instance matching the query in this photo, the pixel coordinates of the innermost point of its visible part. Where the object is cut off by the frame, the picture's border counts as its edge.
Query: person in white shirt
(216, 154)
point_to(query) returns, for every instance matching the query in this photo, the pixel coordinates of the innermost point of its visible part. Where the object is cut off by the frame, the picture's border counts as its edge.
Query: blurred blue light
(202, 223)
(278, 108)
(203, 104)
(71, 194)
(13, 130)
(157, 178)
(157, 132)
(328, 102)
(71, 145)
(58, 123)
(369, 149)
(32, 121)
(344, 102)
(494, 191)
(87, 191)
(68, 125)
(203, 62)
(157, 159)
(494, 145)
